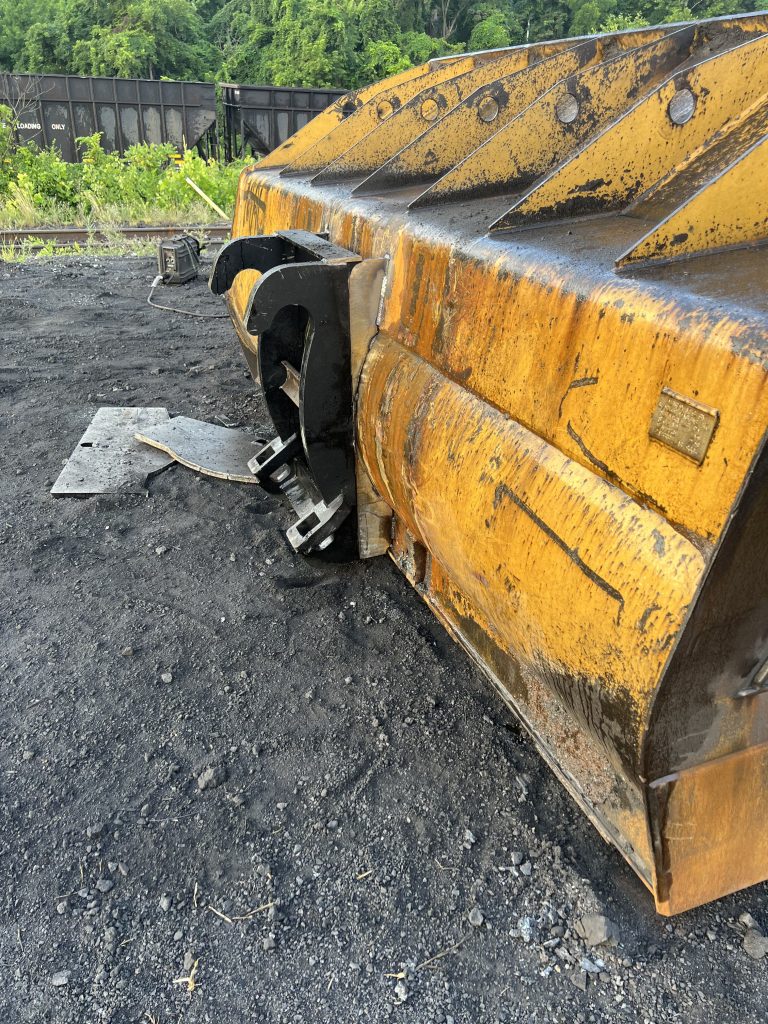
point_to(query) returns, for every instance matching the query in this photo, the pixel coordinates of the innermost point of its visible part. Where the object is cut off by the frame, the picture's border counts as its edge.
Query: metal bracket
(316, 529)
(299, 311)
(264, 252)
(273, 456)
(758, 682)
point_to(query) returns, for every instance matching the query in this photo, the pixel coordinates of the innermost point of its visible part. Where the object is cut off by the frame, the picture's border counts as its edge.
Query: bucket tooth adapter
(510, 317)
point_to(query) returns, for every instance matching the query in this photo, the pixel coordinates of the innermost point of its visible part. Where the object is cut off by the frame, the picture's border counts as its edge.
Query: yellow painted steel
(464, 128)
(328, 119)
(646, 144)
(371, 113)
(731, 846)
(727, 211)
(410, 120)
(575, 533)
(546, 131)
(436, 301)
(595, 555)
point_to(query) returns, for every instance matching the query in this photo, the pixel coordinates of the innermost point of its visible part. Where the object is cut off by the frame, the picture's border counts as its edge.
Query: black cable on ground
(184, 312)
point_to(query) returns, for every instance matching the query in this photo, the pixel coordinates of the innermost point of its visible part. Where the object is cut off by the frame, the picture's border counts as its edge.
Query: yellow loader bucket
(509, 314)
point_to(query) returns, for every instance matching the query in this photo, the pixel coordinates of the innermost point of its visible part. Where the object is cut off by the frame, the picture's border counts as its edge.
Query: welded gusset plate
(205, 447)
(108, 459)
(649, 141)
(318, 127)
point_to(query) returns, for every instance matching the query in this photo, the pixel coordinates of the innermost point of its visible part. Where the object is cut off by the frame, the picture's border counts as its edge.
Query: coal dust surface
(237, 785)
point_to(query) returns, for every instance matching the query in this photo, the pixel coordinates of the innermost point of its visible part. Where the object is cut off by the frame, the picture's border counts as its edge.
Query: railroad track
(70, 235)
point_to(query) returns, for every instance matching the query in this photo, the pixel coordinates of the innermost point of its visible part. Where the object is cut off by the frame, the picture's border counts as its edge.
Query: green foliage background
(342, 43)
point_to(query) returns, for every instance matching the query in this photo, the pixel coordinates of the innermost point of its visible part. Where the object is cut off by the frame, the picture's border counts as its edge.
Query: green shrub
(217, 180)
(44, 175)
(147, 184)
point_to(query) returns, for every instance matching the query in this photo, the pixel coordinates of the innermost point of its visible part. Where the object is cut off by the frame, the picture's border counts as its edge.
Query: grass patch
(109, 215)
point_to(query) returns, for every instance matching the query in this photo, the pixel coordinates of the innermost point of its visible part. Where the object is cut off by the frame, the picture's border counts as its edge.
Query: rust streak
(588, 454)
(503, 491)
(580, 382)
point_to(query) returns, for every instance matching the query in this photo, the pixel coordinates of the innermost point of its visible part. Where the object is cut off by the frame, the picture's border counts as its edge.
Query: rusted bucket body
(510, 317)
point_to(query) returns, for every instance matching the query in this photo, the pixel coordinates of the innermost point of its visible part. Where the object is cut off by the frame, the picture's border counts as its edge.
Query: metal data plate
(683, 424)
(205, 447)
(108, 459)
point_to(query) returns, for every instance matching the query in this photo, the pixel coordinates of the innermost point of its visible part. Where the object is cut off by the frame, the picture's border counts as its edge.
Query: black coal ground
(368, 790)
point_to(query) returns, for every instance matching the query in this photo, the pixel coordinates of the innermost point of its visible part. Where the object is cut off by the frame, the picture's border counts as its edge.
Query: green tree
(330, 43)
(380, 59)
(146, 39)
(588, 15)
(491, 33)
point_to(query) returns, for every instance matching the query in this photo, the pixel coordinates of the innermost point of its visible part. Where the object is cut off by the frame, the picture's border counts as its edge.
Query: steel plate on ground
(108, 459)
(215, 451)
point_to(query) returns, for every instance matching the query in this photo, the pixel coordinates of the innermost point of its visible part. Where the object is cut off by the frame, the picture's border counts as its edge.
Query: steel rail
(69, 235)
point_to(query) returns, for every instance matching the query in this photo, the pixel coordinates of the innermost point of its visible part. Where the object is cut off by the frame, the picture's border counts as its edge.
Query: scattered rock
(579, 979)
(165, 903)
(401, 991)
(211, 777)
(597, 930)
(748, 921)
(60, 978)
(589, 966)
(126, 652)
(476, 917)
(166, 677)
(755, 944)
(161, 550)
(268, 942)
(105, 885)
